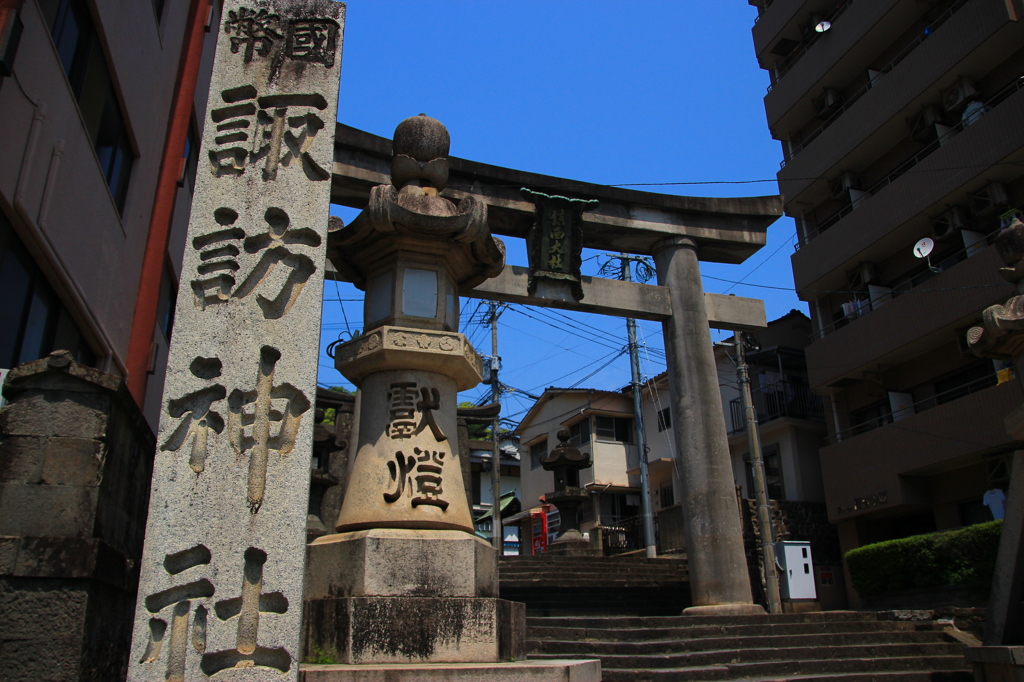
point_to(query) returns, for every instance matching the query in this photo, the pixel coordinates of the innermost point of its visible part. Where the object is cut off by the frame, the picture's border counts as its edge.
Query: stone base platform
(393, 630)
(996, 663)
(517, 671)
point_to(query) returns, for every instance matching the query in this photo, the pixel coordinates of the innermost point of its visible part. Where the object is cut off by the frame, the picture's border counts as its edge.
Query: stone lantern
(412, 250)
(405, 579)
(566, 462)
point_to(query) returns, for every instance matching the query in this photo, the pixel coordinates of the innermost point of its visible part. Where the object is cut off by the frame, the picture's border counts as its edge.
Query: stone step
(606, 573)
(703, 621)
(723, 673)
(688, 633)
(594, 582)
(672, 646)
(777, 670)
(803, 655)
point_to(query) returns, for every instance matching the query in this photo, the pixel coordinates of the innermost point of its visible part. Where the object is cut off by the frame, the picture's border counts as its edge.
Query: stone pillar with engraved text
(221, 574)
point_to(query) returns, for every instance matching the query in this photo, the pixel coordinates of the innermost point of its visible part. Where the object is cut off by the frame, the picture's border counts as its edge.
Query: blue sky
(602, 92)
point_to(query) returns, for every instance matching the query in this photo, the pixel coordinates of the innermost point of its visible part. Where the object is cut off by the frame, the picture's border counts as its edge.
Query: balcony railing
(625, 535)
(797, 54)
(777, 400)
(973, 386)
(859, 307)
(917, 158)
(848, 101)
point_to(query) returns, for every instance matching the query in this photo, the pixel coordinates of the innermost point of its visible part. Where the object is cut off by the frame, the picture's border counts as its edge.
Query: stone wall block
(8, 554)
(21, 459)
(73, 461)
(69, 415)
(41, 635)
(34, 610)
(40, 510)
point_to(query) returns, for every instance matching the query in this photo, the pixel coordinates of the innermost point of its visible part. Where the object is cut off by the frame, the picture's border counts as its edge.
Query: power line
(840, 291)
(690, 183)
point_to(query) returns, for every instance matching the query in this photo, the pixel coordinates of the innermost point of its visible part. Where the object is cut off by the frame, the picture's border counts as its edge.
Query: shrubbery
(958, 557)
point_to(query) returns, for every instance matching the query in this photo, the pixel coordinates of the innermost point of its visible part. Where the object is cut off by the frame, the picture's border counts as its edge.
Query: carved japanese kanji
(406, 400)
(254, 32)
(278, 128)
(198, 418)
(312, 40)
(180, 598)
(247, 609)
(252, 414)
(428, 479)
(219, 265)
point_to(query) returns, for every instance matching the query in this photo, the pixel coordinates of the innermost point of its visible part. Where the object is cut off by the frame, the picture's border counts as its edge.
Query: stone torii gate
(221, 583)
(678, 232)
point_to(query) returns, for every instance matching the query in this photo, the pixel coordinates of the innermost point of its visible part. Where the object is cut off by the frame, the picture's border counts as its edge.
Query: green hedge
(958, 557)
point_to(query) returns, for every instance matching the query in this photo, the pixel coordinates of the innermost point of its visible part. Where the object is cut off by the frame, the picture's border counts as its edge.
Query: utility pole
(764, 510)
(497, 532)
(638, 415)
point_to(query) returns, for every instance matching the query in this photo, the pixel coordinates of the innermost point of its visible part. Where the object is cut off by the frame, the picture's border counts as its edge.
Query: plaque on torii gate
(221, 574)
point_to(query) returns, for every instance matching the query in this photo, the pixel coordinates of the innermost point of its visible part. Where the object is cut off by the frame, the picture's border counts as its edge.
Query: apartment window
(966, 381)
(190, 160)
(668, 494)
(33, 322)
(872, 417)
(167, 302)
(81, 55)
(538, 451)
(614, 429)
(664, 419)
(579, 433)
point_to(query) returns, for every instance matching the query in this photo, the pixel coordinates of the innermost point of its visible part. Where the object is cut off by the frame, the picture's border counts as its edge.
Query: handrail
(849, 101)
(907, 284)
(902, 168)
(920, 406)
(795, 56)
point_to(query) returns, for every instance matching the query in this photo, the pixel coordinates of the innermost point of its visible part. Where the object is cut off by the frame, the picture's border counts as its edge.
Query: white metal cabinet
(796, 570)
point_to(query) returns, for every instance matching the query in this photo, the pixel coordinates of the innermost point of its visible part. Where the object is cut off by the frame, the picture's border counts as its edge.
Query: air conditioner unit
(861, 276)
(922, 126)
(961, 93)
(841, 186)
(990, 198)
(948, 224)
(828, 103)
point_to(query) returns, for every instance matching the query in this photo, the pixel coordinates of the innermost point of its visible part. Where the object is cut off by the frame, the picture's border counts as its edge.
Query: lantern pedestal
(385, 596)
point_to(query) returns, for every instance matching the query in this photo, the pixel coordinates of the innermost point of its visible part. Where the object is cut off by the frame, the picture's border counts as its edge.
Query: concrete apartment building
(102, 105)
(900, 120)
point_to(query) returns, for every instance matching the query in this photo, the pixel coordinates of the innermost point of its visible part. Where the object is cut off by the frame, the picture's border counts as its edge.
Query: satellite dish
(924, 247)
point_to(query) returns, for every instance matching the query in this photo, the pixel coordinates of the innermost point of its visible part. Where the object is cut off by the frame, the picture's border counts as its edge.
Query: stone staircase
(585, 585)
(812, 647)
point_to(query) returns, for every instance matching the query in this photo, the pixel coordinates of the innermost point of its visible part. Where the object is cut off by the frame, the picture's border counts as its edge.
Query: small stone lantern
(566, 462)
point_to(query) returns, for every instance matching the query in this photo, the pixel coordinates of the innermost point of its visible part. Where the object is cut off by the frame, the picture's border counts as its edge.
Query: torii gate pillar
(714, 538)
